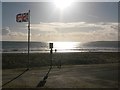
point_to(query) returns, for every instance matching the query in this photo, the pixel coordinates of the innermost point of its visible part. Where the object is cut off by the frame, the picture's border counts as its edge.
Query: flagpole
(28, 39)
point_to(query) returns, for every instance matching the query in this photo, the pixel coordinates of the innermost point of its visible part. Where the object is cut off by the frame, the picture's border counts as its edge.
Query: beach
(20, 60)
(78, 70)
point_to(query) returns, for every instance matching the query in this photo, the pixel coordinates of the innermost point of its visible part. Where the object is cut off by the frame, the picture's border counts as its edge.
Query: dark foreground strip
(60, 89)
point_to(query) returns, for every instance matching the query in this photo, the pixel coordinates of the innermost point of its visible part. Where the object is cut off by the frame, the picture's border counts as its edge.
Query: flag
(22, 17)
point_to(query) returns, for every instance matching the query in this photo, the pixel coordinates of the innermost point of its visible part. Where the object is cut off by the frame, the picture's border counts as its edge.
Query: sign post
(51, 51)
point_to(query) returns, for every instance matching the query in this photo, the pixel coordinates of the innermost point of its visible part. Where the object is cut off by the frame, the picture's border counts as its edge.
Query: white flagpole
(28, 39)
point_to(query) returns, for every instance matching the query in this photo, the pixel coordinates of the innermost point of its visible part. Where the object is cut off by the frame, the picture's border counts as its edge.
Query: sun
(62, 4)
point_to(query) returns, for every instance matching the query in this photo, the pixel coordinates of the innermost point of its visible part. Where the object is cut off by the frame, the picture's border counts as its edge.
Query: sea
(61, 47)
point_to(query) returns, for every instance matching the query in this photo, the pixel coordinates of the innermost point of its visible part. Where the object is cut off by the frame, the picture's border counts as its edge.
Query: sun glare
(62, 4)
(64, 45)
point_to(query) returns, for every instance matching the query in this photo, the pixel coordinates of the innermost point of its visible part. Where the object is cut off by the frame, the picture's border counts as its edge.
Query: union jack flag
(22, 17)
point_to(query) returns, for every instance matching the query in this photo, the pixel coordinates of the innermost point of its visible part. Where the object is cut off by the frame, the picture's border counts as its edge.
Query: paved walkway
(71, 76)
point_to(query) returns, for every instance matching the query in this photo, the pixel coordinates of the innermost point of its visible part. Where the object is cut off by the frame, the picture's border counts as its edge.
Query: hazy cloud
(5, 31)
(73, 27)
(75, 31)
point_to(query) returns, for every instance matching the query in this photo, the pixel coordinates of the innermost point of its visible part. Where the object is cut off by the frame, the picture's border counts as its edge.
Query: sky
(79, 22)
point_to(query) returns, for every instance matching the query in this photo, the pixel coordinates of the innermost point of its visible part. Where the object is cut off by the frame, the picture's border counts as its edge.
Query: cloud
(85, 31)
(15, 36)
(54, 26)
(75, 31)
(7, 34)
(5, 31)
(72, 27)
